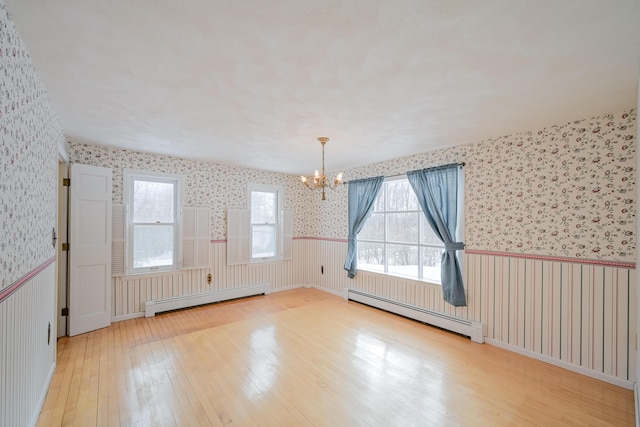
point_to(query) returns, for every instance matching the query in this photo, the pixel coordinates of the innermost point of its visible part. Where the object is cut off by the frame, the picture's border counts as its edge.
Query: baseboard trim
(127, 317)
(329, 291)
(43, 395)
(562, 364)
(286, 288)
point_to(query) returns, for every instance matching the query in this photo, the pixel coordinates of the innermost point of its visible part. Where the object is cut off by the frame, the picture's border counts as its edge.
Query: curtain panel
(437, 192)
(362, 195)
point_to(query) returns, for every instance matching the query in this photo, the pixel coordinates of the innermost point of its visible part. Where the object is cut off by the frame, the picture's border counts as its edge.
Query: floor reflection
(264, 362)
(402, 374)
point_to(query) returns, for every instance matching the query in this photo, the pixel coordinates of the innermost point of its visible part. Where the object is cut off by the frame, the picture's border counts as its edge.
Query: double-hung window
(153, 201)
(397, 239)
(263, 232)
(265, 227)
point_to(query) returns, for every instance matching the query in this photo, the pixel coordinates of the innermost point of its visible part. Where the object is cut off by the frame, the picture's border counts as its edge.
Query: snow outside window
(153, 201)
(397, 239)
(265, 207)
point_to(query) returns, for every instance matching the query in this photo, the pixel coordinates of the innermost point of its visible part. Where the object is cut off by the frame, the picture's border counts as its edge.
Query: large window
(153, 201)
(397, 238)
(265, 206)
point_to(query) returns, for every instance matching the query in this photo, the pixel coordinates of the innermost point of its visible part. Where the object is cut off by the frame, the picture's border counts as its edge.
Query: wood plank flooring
(308, 358)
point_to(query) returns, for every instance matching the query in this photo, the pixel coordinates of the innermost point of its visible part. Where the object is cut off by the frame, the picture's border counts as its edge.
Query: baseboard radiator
(473, 330)
(158, 306)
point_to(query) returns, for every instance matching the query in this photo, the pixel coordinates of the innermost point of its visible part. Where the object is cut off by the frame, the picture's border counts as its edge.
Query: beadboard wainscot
(28, 343)
(574, 313)
(131, 293)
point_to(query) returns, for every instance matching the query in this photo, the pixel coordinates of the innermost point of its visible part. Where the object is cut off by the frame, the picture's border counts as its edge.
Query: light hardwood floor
(308, 358)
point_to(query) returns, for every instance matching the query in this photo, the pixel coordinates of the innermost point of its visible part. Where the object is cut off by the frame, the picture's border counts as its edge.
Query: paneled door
(89, 249)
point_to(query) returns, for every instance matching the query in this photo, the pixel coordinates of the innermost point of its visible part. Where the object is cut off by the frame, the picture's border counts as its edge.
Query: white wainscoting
(27, 357)
(578, 315)
(130, 293)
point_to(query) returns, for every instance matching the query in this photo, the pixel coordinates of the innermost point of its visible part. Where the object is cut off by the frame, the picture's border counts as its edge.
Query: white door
(89, 249)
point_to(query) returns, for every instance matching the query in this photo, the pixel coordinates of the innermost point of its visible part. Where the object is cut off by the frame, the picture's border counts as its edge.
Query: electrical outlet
(209, 278)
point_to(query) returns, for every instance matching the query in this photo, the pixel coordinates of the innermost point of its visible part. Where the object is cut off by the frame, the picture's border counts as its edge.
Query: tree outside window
(397, 238)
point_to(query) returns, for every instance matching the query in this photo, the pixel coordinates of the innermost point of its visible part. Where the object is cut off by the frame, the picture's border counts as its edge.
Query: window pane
(400, 196)
(374, 228)
(428, 236)
(371, 256)
(152, 245)
(263, 241)
(431, 262)
(378, 205)
(403, 233)
(402, 227)
(403, 260)
(263, 207)
(153, 201)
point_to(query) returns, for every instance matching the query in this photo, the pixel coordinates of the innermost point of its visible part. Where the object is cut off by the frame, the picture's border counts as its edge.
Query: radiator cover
(473, 330)
(158, 306)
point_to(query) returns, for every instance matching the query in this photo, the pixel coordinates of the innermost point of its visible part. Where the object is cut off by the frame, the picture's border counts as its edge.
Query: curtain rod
(461, 164)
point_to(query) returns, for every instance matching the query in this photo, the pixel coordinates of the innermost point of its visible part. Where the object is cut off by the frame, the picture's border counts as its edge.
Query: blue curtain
(362, 194)
(437, 192)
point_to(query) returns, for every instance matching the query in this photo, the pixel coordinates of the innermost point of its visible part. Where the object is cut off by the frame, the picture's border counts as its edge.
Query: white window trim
(127, 177)
(459, 235)
(279, 224)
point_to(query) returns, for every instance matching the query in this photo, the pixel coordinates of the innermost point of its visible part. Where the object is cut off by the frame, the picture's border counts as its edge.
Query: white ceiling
(254, 83)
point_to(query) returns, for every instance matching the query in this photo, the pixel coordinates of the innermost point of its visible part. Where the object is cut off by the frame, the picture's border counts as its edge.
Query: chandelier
(320, 181)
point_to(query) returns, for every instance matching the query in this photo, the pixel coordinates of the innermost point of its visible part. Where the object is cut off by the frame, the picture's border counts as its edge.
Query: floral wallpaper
(208, 184)
(28, 160)
(565, 191)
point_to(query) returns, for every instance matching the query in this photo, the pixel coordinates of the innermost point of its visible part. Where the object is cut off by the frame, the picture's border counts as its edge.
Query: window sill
(399, 276)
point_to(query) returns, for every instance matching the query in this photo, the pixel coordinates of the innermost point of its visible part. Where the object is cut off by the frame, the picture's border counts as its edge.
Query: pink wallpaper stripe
(621, 264)
(6, 292)
(297, 238)
(585, 261)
